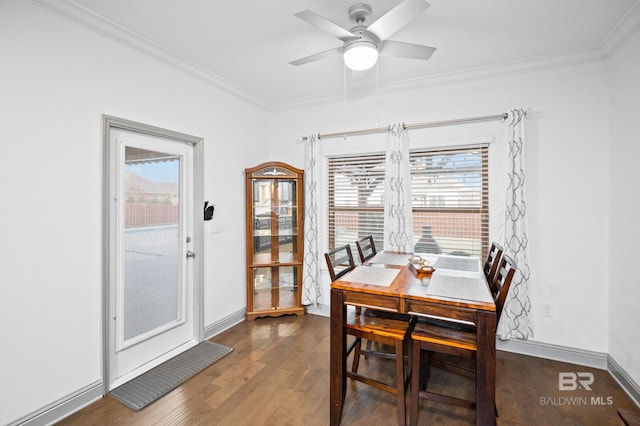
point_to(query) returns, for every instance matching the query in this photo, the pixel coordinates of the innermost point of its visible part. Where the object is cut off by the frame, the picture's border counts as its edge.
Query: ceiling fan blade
(325, 25)
(318, 56)
(401, 49)
(397, 18)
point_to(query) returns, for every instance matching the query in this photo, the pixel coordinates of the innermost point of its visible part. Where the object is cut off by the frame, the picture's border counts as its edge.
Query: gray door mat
(159, 381)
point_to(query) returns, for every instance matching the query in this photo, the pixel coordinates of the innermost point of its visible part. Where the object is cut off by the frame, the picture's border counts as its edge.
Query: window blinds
(450, 199)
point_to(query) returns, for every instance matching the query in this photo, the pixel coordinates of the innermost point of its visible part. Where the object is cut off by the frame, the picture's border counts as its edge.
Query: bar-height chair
(366, 248)
(428, 338)
(390, 331)
(339, 261)
(492, 262)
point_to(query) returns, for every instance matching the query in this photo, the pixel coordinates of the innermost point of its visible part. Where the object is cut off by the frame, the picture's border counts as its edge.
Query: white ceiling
(247, 45)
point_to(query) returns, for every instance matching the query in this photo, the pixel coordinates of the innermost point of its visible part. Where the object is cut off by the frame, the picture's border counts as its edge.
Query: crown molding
(82, 16)
(566, 59)
(622, 31)
(616, 38)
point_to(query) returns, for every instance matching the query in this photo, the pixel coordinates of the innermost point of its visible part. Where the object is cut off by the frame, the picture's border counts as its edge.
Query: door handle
(190, 254)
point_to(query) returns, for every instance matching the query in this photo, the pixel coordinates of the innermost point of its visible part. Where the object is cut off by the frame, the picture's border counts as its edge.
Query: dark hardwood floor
(278, 374)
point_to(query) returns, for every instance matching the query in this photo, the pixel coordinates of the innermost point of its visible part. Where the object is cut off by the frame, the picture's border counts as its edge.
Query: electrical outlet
(547, 310)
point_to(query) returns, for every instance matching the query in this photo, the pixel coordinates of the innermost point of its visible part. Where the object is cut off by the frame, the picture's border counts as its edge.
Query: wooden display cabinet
(274, 215)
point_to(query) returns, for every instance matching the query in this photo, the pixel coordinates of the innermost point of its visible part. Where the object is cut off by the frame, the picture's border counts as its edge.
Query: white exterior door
(150, 286)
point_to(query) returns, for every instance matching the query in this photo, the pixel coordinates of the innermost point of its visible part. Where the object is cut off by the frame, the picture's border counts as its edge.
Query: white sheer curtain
(311, 292)
(516, 316)
(398, 218)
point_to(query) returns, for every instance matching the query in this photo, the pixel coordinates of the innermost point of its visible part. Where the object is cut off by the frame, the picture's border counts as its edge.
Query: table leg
(338, 363)
(486, 369)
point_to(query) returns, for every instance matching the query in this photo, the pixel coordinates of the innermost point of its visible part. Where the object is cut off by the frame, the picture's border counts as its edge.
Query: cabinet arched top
(274, 169)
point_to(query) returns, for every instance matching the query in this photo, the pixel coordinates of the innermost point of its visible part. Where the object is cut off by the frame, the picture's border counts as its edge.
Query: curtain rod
(411, 126)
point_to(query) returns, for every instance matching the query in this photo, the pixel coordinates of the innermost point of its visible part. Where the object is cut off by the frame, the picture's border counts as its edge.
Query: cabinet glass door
(263, 191)
(275, 287)
(287, 222)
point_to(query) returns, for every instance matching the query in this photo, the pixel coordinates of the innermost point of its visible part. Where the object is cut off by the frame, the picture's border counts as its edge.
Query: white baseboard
(63, 407)
(224, 324)
(627, 383)
(554, 352)
(71, 403)
(593, 359)
(319, 309)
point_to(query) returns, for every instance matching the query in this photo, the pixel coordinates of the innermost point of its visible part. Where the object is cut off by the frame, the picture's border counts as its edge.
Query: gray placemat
(391, 259)
(459, 285)
(457, 263)
(372, 275)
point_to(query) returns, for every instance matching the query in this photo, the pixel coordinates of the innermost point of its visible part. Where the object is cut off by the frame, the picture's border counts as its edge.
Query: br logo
(569, 381)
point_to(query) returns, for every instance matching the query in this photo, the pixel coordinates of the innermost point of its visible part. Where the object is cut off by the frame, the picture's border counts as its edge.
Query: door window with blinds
(449, 192)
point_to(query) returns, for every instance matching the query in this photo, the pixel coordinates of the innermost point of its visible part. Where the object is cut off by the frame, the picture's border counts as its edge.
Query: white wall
(567, 171)
(625, 204)
(56, 80)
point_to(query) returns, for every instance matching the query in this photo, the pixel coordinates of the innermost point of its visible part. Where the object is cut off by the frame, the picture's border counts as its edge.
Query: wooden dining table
(457, 290)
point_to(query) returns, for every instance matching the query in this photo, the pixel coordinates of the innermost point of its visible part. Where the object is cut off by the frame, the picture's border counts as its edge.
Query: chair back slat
(492, 262)
(366, 248)
(339, 261)
(502, 282)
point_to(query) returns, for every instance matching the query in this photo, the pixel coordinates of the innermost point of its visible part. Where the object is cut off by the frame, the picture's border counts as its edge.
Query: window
(450, 198)
(356, 203)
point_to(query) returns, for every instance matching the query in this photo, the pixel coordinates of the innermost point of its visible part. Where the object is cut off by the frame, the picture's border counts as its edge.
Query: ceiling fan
(363, 43)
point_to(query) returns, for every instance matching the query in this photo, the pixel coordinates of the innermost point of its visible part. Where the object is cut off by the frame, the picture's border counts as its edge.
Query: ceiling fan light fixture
(360, 55)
